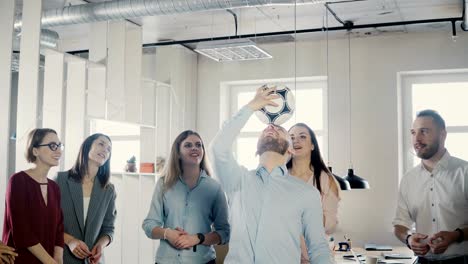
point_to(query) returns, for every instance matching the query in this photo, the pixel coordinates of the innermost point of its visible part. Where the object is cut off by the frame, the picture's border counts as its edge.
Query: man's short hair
(438, 120)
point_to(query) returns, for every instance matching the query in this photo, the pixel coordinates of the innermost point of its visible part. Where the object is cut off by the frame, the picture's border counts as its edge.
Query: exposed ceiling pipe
(49, 39)
(464, 24)
(15, 62)
(127, 9)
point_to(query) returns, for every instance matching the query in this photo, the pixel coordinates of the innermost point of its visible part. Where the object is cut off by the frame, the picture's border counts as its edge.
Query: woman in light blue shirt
(186, 203)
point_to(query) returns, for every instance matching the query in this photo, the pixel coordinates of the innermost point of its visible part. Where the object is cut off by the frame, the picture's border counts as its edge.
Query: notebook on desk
(375, 247)
(396, 256)
(390, 262)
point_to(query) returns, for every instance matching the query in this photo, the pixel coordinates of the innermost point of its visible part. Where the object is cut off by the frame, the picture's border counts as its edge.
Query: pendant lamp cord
(350, 99)
(328, 89)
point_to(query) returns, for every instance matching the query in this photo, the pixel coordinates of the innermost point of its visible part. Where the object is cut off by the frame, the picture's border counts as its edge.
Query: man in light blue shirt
(270, 210)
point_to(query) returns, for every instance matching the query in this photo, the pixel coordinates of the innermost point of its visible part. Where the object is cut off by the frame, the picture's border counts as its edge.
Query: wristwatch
(201, 237)
(461, 237)
(407, 242)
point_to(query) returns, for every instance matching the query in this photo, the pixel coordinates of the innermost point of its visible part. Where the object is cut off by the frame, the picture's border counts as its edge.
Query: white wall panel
(75, 110)
(115, 90)
(98, 41)
(28, 83)
(96, 92)
(133, 55)
(53, 106)
(7, 10)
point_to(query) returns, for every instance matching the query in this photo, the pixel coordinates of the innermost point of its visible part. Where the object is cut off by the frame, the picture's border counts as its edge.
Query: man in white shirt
(434, 196)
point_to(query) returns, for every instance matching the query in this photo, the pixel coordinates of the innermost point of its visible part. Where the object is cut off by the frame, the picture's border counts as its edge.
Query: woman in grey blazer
(88, 202)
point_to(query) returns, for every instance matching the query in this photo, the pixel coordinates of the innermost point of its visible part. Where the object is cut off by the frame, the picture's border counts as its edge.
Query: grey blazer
(101, 213)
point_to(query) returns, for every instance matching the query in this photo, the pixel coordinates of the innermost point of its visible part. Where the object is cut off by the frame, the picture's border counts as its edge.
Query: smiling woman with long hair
(186, 203)
(307, 164)
(33, 219)
(88, 202)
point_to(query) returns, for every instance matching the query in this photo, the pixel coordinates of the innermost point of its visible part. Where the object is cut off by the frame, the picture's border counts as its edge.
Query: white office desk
(400, 250)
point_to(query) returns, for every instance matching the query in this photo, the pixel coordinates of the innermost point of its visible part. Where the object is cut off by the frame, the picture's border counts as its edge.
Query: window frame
(406, 80)
(231, 90)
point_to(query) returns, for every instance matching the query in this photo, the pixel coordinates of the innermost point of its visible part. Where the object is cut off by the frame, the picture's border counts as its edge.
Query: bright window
(310, 94)
(125, 141)
(445, 92)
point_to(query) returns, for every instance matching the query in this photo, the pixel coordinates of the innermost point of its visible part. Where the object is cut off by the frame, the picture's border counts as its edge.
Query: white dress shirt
(436, 201)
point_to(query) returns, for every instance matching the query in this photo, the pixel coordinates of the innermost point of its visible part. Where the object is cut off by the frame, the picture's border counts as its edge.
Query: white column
(148, 142)
(191, 73)
(53, 91)
(7, 11)
(27, 112)
(133, 54)
(98, 42)
(183, 81)
(75, 110)
(96, 93)
(52, 109)
(115, 90)
(163, 120)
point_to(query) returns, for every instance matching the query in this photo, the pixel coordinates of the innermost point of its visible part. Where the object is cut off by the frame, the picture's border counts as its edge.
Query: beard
(272, 144)
(428, 151)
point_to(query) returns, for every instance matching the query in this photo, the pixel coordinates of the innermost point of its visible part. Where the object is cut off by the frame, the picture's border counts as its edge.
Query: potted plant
(131, 165)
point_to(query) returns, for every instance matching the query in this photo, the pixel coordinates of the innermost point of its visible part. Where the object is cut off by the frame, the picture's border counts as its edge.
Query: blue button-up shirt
(194, 210)
(269, 211)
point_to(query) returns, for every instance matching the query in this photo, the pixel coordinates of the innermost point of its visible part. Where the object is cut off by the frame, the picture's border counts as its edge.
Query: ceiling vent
(232, 50)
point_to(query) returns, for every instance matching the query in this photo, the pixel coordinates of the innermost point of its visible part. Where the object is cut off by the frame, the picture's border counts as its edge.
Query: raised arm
(228, 171)
(225, 166)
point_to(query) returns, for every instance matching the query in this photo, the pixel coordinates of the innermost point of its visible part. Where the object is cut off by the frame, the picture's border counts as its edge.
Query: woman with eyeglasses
(88, 202)
(33, 222)
(186, 203)
(307, 165)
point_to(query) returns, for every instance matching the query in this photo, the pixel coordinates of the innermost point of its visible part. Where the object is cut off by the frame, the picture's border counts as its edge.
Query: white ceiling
(277, 18)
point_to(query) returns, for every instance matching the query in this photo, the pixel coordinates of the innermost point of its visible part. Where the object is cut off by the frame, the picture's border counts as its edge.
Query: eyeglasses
(52, 145)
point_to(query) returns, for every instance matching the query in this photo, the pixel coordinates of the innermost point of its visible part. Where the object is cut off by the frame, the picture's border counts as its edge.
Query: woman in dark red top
(33, 217)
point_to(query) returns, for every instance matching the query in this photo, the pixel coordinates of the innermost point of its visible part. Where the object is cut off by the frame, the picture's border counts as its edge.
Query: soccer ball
(278, 114)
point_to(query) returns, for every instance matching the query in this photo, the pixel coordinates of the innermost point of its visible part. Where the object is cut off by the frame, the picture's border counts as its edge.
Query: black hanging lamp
(344, 184)
(355, 181)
